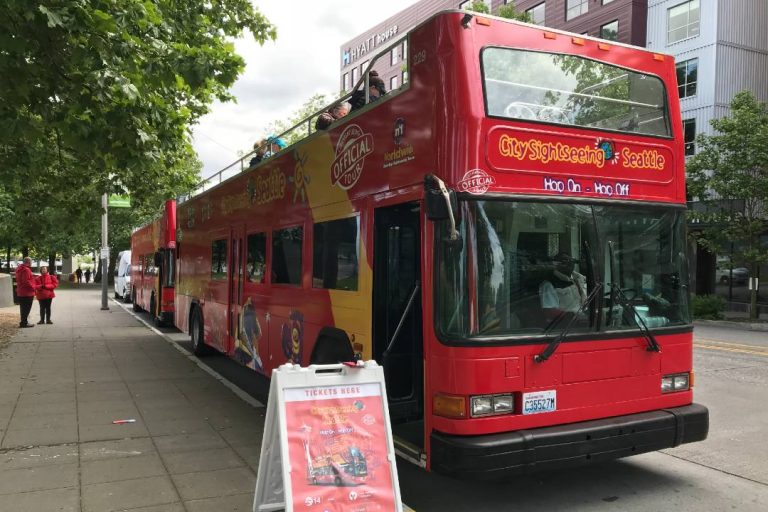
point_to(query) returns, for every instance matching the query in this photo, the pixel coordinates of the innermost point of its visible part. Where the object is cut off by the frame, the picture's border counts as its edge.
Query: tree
(314, 103)
(729, 176)
(478, 6)
(511, 13)
(102, 99)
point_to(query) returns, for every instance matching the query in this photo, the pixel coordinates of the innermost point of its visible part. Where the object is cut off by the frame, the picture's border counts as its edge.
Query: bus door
(397, 329)
(235, 287)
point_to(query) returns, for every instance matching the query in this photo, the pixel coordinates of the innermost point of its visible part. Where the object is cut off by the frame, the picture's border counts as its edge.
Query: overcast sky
(281, 75)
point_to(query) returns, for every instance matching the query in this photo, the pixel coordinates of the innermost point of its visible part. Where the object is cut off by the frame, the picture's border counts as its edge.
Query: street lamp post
(104, 252)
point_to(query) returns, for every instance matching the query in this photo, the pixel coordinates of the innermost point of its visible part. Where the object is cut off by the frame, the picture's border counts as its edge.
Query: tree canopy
(728, 176)
(99, 96)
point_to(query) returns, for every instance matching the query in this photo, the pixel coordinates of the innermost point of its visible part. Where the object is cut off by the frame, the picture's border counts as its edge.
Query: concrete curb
(743, 326)
(245, 397)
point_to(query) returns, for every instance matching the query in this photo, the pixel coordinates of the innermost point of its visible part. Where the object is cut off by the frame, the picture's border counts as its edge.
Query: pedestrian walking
(25, 290)
(45, 284)
(79, 274)
(87, 275)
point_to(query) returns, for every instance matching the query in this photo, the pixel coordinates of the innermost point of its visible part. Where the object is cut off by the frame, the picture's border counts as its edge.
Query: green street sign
(116, 201)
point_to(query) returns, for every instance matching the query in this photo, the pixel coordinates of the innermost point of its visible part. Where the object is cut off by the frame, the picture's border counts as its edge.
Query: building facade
(618, 20)
(720, 48)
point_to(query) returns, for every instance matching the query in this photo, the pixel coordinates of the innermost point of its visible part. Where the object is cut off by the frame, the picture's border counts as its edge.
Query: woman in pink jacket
(45, 284)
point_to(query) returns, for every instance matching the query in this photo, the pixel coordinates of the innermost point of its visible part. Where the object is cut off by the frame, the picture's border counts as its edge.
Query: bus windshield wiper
(653, 345)
(616, 293)
(547, 352)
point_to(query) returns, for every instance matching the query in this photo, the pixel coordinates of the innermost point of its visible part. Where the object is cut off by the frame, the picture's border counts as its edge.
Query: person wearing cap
(565, 290)
(375, 91)
(326, 119)
(274, 146)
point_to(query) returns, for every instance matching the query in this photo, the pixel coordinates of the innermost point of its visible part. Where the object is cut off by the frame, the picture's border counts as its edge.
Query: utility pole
(104, 253)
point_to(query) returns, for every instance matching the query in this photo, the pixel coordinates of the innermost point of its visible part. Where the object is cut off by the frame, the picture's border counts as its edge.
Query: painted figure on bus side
(248, 336)
(293, 337)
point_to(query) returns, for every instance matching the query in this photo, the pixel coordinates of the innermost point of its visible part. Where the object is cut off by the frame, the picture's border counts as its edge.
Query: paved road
(728, 471)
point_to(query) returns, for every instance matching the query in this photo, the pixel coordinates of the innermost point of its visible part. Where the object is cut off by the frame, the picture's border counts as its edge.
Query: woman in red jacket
(46, 283)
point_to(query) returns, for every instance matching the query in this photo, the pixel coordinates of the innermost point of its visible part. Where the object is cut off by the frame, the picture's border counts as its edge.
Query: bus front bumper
(496, 456)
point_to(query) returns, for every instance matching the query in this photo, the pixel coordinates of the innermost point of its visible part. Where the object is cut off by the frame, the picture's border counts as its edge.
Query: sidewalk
(194, 445)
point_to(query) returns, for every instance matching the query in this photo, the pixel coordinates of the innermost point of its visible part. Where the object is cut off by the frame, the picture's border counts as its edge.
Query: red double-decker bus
(504, 233)
(153, 272)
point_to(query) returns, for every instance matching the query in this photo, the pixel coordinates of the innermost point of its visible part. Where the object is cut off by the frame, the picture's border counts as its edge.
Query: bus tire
(332, 346)
(196, 333)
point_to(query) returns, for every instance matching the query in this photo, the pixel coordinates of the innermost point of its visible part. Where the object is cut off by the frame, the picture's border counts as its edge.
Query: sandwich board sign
(327, 444)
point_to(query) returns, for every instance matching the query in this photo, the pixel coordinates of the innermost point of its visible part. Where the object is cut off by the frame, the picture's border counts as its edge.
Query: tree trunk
(8, 258)
(52, 264)
(24, 251)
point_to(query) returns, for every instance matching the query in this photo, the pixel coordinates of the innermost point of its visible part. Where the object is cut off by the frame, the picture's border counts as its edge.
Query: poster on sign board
(337, 458)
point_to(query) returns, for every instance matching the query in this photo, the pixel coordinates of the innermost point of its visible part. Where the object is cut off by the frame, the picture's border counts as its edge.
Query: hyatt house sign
(350, 55)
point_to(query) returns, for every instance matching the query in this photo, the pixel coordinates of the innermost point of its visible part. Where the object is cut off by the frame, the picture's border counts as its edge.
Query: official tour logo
(351, 150)
(476, 181)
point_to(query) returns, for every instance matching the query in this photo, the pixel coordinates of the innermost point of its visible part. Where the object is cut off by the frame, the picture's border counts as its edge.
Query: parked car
(123, 276)
(740, 274)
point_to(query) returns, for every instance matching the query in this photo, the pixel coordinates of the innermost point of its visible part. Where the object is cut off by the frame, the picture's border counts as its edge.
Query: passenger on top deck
(260, 147)
(335, 113)
(274, 146)
(375, 91)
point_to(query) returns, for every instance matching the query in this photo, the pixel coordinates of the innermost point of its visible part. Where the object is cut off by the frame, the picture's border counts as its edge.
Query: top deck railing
(295, 133)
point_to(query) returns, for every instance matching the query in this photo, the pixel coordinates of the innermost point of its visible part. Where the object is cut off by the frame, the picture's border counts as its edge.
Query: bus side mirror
(158, 259)
(435, 201)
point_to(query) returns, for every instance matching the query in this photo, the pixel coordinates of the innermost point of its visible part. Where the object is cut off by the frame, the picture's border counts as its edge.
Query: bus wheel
(136, 306)
(199, 348)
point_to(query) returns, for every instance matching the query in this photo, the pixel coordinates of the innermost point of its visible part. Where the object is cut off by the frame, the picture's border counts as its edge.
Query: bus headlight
(676, 382)
(489, 405)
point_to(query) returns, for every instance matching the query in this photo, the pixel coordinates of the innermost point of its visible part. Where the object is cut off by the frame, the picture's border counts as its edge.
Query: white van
(123, 276)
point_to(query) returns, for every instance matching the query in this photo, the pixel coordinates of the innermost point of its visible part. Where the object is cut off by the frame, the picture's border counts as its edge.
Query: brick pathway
(194, 445)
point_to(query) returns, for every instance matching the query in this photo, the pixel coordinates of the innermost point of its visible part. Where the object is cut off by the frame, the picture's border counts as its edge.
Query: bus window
(334, 261)
(286, 255)
(571, 90)
(536, 265)
(219, 259)
(257, 257)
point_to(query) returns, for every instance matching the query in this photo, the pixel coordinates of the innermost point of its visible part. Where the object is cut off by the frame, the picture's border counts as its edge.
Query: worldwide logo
(351, 150)
(476, 181)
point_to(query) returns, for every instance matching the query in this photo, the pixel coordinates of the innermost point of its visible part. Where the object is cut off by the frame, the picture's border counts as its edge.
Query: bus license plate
(539, 401)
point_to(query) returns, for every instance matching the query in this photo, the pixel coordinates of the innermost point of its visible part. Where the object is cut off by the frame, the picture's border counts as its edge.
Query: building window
(393, 83)
(219, 259)
(257, 257)
(683, 21)
(607, 1)
(689, 134)
(537, 14)
(345, 82)
(334, 254)
(687, 74)
(405, 77)
(355, 75)
(610, 31)
(364, 66)
(404, 53)
(286, 255)
(575, 8)
(393, 56)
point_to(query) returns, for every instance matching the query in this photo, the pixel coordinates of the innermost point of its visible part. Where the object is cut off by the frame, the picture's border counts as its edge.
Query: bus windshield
(571, 90)
(527, 268)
